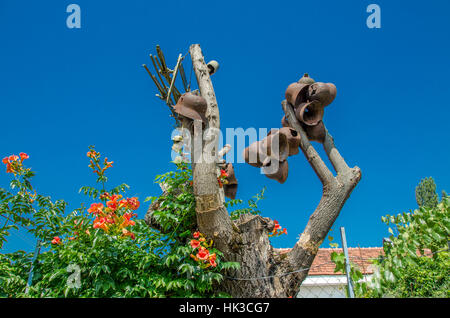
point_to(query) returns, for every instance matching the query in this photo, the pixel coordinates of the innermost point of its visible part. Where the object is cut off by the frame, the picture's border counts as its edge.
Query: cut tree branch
(212, 217)
(310, 153)
(336, 190)
(264, 271)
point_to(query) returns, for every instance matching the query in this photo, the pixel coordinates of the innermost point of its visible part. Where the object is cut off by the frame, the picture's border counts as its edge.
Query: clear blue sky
(64, 89)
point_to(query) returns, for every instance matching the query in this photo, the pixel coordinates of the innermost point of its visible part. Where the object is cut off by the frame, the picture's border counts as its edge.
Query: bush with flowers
(277, 230)
(104, 250)
(202, 251)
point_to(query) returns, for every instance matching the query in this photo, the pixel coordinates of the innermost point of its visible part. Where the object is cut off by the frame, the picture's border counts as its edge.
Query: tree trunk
(265, 271)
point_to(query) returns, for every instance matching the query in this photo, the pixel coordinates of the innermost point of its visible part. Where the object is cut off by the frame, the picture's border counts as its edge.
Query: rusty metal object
(231, 176)
(279, 174)
(253, 156)
(306, 79)
(310, 113)
(293, 139)
(324, 93)
(273, 146)
(213, 67)
(296, 93)
(191, 106)
(315, 133)
(230, 190)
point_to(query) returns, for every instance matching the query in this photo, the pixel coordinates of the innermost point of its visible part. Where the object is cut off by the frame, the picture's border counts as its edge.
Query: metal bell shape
(230, 190)
(253, 155)
(309, 113)
(293, 139)
(324, 93)
(191, 106)
(280, 174)
(275, 145)
(213, 67)
(231, 179)
(315, 133)
(296, 93)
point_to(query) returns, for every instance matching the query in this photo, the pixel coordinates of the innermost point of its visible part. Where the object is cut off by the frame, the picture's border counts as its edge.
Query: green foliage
(428, 277)
(420, 233)
(14, 268)
(416, 260)
(426, 195)
(252, 205)
(91, 262)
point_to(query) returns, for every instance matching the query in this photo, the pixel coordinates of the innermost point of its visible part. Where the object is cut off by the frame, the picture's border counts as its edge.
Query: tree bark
(264, 272)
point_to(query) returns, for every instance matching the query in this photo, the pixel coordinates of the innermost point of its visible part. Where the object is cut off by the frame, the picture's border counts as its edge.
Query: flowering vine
(277, 231)
(14, 163)
(202, 249)
(222, 178)
(115, 217)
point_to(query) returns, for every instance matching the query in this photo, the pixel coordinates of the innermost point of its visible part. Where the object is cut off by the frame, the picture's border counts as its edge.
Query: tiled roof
(322, 264)
(360, 256)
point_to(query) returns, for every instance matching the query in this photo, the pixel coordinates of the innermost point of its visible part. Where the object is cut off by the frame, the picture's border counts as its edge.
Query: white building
(323, 282)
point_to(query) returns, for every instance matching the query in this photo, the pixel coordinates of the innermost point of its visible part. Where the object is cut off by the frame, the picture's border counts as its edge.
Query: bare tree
(264, 271)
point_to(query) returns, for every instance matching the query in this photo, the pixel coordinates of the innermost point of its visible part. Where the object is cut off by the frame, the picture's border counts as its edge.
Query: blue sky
(63, 89)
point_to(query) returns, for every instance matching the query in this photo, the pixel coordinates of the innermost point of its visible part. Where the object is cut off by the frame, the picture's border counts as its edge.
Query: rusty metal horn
(231, 178)
(309, 113)
(324, 93)
(253, 155)
(213, 67)
(293, 139)
(280, 174)
(315, 133)
(296, 93)
(275, 145)
(230, 190)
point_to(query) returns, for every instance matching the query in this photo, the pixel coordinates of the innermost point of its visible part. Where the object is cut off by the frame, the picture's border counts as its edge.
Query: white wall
(325, 286)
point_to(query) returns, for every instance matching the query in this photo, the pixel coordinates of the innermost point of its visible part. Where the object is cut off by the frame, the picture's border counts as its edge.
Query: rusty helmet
(296, 93)
(279, 174)
(325, 93)
(191, 106)
(231, 176)
(230, 190)
(309, 113)
(315, 133)
(293, 139)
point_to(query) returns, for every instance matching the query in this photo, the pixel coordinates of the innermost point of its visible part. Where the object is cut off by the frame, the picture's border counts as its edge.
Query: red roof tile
(322, 264)
(360, 256)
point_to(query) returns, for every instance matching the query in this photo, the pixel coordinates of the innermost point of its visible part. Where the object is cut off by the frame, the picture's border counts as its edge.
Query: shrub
(103, 251)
